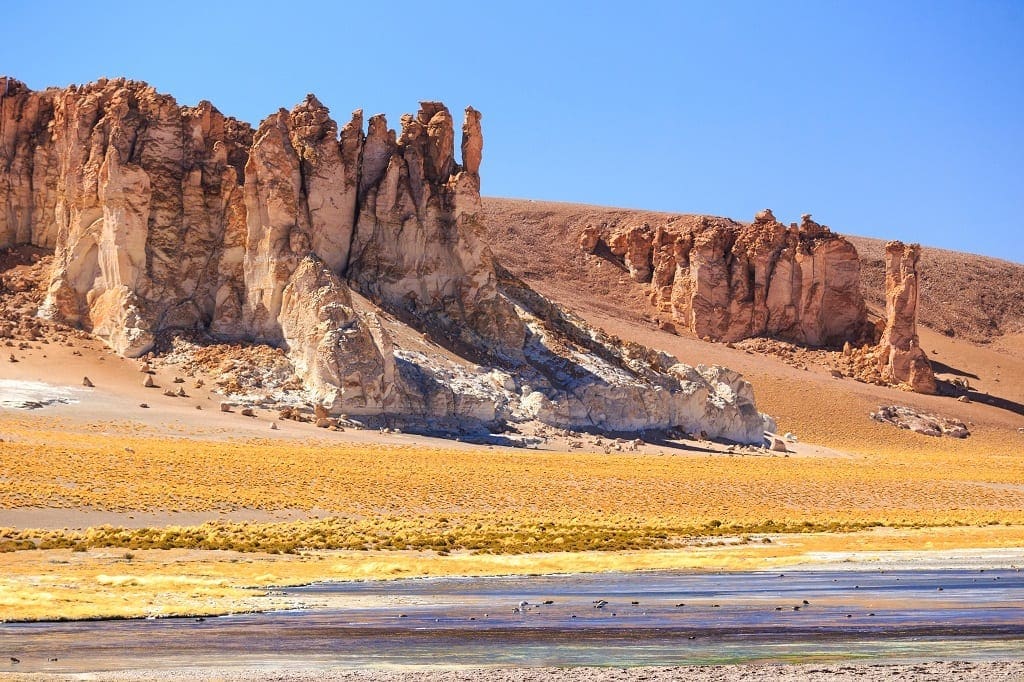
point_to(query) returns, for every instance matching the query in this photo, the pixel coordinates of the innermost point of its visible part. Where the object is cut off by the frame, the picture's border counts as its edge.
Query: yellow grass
(465, 511)
(522, 488)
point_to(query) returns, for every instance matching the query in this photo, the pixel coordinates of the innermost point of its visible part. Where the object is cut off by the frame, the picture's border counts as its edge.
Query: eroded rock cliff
(726, 281)
(166, 219)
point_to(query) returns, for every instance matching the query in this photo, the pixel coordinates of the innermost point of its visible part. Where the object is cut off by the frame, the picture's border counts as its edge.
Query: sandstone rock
(148, 382)
(320, 412)
(273, 426)
(331, 346)
(86, 382)
(144, 405)
(167, 219)
(726, 281)
(225, 407)
(590, 238)
(901, 359)
(779, 445)
(247, 412)
(123, 176)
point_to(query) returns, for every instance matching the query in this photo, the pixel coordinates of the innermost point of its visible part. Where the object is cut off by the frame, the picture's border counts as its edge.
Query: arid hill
(963, 295)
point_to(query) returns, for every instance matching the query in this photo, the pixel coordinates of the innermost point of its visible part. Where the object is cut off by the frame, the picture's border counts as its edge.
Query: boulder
(920, 422)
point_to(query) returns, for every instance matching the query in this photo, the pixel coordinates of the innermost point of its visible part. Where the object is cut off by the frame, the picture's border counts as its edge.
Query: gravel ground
(998, 671)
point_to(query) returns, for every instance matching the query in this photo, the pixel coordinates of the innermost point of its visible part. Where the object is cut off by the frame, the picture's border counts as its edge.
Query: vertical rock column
(901, 358)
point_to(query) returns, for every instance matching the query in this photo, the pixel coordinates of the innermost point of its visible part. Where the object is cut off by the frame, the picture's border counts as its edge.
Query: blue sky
(890, 119)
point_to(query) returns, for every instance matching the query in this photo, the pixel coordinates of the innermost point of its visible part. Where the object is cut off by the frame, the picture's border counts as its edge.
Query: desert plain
(108, 509)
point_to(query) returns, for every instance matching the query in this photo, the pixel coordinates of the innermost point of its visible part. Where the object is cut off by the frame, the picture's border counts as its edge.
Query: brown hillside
(539, 241)
(962, 295)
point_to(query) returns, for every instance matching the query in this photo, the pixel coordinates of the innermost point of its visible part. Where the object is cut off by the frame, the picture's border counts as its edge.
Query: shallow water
(887, 616)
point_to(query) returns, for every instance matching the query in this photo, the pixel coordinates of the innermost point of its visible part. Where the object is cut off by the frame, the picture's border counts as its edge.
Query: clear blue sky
(890, 119)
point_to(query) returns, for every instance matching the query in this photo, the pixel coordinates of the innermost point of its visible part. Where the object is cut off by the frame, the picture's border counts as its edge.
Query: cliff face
(166, 219)
(140, 199)
(725, 281)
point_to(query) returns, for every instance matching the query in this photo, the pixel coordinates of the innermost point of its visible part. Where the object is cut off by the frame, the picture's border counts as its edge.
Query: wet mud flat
(829, 619)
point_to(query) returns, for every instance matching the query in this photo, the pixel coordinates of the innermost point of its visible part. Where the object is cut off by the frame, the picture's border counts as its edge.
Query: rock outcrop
(726, 281)
(900, 357)
(908, 418)
(168, 220)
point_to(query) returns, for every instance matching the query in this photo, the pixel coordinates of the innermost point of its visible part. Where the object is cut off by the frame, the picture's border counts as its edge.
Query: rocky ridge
(330, 244)
(727, 281)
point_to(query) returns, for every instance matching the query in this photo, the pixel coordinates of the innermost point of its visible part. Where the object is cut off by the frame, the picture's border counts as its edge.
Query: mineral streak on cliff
(166, 219)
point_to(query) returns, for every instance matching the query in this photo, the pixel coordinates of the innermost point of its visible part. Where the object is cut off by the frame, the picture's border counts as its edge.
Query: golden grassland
(67, 585)
(378, 511)
(413, 497)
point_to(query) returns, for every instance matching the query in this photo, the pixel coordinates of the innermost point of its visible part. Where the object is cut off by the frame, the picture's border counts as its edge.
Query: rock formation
(726, 281)
(166, 220)
(900, 357)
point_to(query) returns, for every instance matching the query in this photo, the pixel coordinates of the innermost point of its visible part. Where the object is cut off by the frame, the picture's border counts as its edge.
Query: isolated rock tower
(901, 358)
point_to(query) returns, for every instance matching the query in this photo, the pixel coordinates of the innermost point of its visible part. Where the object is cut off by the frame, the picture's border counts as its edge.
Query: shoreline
(831, 671)
(51, 586)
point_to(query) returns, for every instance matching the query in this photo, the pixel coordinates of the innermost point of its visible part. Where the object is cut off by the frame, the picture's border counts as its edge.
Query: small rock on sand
(148, 383)
(86, 382)
(225, 407)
